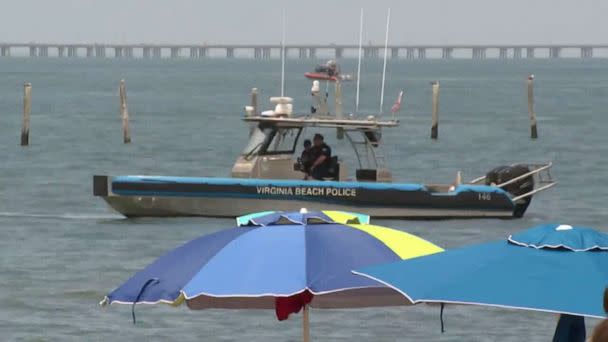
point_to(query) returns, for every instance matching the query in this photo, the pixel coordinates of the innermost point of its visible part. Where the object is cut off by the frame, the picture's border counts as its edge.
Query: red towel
(284, 306)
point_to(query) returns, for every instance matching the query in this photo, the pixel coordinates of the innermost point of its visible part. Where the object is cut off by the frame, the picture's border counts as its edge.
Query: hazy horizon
(313, 21)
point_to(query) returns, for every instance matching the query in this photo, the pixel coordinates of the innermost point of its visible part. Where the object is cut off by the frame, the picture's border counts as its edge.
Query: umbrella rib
(247, 295)
(440, 301)
(386, 284)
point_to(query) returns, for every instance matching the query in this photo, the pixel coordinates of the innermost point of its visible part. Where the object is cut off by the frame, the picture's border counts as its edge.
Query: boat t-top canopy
(320, 116)
(323, 121)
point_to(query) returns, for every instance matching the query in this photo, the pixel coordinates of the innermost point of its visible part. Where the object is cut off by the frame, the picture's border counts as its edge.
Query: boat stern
(522, 181)
(101, 186)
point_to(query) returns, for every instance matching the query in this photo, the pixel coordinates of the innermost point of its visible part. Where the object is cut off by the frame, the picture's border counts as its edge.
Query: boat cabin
(275, 136)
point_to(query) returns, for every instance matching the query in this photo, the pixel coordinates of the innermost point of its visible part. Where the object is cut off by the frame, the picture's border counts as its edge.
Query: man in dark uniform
(306, 158)
(321, 154)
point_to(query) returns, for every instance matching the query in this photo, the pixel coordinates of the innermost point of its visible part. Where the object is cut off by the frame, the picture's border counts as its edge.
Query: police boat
(268, 176)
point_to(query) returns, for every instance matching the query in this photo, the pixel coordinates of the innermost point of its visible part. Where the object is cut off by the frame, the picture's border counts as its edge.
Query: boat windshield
(272, 140)
(256, 140)
(283, 141)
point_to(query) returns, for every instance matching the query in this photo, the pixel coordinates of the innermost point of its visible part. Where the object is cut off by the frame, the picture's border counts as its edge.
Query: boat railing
(541, 173)
(536, 190)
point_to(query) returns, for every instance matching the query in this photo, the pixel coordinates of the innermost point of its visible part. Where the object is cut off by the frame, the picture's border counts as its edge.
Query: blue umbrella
(281, 261)
(552, 268)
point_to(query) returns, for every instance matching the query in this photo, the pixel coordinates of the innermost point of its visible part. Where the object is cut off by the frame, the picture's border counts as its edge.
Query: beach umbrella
(336, 216)
(286, 261)
(551, 268)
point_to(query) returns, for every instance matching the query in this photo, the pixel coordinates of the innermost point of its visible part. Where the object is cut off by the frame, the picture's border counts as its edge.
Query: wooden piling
(124, 113)
(254, 100)
(27, 108)
(435, 117)
(533, 129)
(338, 109)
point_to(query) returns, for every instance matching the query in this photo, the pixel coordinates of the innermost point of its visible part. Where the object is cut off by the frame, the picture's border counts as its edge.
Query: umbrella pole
(305, 325)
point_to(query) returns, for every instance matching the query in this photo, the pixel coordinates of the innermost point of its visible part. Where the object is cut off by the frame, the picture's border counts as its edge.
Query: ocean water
(62, 249)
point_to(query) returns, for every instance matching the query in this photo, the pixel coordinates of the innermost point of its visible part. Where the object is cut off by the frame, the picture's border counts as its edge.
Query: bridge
(268, 51)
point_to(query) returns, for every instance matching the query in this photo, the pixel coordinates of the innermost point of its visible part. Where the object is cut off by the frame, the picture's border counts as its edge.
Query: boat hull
(139, 196)
(320, 76)
(133, 206)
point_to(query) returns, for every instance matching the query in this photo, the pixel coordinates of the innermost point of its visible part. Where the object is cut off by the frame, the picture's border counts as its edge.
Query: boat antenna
(283, 57)
(359, 61)
(388, 21)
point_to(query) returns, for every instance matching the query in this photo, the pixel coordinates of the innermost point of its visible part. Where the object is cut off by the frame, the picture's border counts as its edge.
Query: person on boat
(306, 157)
(332, 67)
(321, 154)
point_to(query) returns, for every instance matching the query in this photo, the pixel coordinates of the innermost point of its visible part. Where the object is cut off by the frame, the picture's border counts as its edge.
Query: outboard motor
(503, 174)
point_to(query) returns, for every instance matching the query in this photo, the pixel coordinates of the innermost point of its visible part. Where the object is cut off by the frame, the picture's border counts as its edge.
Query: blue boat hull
(229, 197)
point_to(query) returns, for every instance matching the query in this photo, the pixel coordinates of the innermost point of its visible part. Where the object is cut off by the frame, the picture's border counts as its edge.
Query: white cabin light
(250, 110)
(283, 105)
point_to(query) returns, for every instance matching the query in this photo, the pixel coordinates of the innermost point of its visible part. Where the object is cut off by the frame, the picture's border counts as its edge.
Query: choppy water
(62, 250)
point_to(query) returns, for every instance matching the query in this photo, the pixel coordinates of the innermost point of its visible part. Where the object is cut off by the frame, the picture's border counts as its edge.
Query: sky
(308, 21)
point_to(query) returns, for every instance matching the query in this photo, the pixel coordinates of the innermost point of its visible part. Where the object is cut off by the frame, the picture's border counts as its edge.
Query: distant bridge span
(267, 51)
